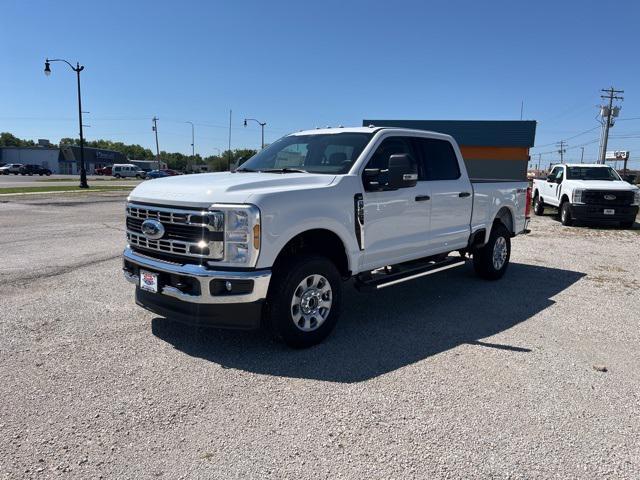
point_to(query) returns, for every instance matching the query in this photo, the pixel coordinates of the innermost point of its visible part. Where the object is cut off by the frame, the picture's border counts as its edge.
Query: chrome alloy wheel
(311, 303)
(499, 253)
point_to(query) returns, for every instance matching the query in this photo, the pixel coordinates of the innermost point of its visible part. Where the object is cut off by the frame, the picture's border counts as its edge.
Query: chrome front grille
(190, 233)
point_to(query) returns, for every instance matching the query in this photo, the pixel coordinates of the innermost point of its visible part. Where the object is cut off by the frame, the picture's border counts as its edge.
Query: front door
(396, 226)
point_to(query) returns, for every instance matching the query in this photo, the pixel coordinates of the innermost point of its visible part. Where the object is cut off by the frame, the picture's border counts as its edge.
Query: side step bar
(389, 276)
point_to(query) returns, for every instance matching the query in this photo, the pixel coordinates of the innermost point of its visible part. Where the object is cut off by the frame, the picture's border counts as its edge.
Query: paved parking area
(10, 181)
(533, 376)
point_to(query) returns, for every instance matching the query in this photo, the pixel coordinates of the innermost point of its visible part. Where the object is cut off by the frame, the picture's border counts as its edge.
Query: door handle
(422, 198)
(464, 194)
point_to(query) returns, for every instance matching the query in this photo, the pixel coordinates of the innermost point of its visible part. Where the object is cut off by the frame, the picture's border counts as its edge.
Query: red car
(170, 172)
(103, 171)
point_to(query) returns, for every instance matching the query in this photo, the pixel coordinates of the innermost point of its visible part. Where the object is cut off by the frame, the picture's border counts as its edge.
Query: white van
(124, 170)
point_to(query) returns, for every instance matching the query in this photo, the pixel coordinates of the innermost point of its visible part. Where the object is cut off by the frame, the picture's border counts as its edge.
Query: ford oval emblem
(609, 197)
(152, 229)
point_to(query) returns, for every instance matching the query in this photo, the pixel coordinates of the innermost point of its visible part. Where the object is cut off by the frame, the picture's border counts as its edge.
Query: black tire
(285, 284)
(117, 175)
(627, 225)
(538, 205)
(483, 258)
(565, 214)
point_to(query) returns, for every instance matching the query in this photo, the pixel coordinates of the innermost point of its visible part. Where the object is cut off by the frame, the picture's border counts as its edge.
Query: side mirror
(403, 171)
(551, 178)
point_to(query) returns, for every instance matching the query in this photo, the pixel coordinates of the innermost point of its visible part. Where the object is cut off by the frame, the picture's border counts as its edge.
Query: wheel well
(564, 198)
(320, 242)
(505, 217)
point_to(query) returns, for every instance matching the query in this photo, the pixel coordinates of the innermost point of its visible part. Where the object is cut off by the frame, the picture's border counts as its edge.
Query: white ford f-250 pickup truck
(272, 242)
(587, 192)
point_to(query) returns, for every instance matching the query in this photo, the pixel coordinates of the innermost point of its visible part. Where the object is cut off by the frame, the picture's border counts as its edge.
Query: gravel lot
(445, 377)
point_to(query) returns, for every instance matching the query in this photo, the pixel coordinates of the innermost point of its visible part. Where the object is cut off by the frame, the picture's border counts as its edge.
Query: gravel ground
(533, 376)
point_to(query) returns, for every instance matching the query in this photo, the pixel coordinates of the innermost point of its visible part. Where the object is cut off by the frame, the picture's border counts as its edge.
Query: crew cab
(587, 192)
(272, 242)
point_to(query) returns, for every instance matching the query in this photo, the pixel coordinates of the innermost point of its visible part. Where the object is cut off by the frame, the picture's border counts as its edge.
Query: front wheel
(491, 261)
(303, 304)
(565, 214)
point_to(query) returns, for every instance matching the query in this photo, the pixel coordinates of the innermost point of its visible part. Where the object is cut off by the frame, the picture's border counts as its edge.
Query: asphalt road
(445, 377)
(9, 181)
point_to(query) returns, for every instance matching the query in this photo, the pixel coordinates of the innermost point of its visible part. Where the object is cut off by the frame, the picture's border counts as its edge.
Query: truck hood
(602, 185)
(201, 190)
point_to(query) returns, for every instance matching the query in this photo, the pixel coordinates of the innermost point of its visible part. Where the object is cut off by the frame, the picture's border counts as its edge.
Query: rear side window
(438, 160)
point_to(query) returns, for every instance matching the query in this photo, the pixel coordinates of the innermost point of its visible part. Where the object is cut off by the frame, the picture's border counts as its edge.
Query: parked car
(10, 168)
(157, 174)
(34, 170)
(170, 172)
(125, 170)
(587, 192)
(104, 170)
(273, 241)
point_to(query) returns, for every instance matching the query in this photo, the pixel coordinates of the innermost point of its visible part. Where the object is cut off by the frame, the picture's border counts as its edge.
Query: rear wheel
(538, 205)
(492, 260)
(304, 300)
(565, 214)
(117, 175)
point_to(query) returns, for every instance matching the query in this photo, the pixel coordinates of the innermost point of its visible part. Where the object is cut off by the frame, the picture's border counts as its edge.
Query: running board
(387, 277)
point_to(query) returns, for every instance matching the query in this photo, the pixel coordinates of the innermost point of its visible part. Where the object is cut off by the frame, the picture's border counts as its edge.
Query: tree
(219, 163)
(9, 140)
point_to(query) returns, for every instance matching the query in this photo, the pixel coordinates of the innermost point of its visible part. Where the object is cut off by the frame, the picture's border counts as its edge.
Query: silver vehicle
(125, 170)
(10, 168)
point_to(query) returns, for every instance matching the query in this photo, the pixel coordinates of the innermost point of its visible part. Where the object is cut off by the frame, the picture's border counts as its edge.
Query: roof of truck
(582, 165)
(370, 129)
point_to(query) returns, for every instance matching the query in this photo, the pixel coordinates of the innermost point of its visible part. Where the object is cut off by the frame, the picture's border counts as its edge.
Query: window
(591, 173)
(332, 153)
(389, 146)
(559, 173)
(438, 160)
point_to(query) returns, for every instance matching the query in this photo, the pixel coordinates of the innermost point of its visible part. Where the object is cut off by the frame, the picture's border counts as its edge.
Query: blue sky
(299, 65)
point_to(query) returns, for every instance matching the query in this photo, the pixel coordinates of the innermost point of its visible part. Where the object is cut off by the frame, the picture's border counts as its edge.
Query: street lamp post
(262, 124)
(78, 68)
(193, 142)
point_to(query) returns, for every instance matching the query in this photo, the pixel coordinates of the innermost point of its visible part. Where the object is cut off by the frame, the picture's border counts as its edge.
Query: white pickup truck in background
(272, 242)
(587, 192)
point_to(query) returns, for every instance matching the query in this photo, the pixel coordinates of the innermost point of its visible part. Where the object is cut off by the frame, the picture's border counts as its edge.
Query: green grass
(60, 188)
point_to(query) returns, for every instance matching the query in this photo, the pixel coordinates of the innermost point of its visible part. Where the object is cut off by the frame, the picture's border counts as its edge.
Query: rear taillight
(527, 209)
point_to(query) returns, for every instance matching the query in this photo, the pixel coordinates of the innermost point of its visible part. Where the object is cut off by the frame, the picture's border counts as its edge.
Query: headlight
(577, 196)
(241, 234)
(636, 197)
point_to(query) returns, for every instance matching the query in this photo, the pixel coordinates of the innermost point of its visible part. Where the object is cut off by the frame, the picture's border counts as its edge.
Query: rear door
(396, 226)
(451, 195)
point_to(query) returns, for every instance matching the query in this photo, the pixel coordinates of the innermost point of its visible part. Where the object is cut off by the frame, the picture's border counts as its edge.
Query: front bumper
(596, 213)
(195, 295)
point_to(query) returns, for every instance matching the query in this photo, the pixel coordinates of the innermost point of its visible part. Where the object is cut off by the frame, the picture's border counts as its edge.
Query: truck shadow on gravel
(395, 327)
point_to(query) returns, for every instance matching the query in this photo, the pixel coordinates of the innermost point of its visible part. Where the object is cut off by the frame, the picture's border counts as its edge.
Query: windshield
(592, 173)
(332, 153)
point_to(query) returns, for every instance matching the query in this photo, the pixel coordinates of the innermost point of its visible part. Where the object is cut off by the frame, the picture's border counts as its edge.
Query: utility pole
(582, 155)
(193, 142)
(562, 150)
(229, 150)
(539, 159)
(608, 113)
(155, 129)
